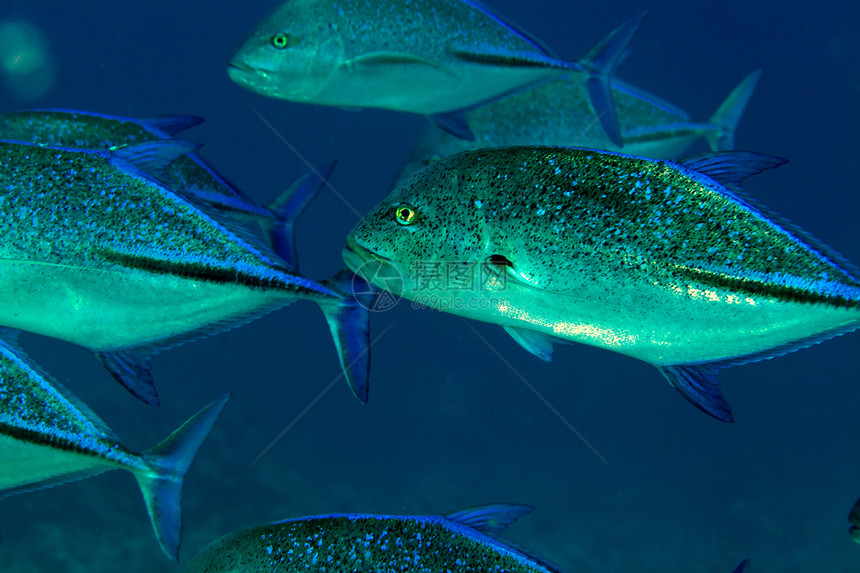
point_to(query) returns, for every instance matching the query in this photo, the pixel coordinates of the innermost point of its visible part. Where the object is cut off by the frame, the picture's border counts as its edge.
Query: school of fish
(551, 192)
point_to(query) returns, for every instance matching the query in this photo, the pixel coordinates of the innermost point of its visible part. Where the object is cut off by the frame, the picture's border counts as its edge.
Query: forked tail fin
(349, 321)
(725, 120)
(287, 208)
(167, 462)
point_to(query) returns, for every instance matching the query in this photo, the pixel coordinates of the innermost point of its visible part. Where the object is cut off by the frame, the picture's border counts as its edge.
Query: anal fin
(698, 384)
(133, 370)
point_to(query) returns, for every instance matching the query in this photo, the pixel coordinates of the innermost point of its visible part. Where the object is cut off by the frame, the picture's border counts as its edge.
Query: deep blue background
(448, 425)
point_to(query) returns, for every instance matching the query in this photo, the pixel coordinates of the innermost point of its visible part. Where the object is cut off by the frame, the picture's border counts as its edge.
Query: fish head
(431, 226)
(291, 54)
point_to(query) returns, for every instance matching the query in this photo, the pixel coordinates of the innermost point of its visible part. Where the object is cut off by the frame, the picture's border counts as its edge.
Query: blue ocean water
(448, 424)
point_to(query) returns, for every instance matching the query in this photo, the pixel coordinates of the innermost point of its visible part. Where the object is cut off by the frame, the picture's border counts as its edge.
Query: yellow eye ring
(282, 41)
(405, 214)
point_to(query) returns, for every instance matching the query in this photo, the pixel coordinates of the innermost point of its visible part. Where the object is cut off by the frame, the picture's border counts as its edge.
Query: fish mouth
(242, 73)
(373, 267)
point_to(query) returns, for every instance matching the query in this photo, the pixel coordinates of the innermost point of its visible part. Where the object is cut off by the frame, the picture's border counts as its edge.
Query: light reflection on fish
(665, 262)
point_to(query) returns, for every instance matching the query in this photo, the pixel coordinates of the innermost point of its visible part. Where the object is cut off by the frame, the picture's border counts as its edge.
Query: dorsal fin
(170, 125)
(732, 168)
(489, 519)
(153, 157)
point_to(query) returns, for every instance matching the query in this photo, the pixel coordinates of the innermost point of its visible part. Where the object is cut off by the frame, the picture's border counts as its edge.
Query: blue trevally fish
(666, 262)
(557, 113)
(468, 540)
(95, 251)
(431, 57)
(189, 174)
(48, 437)
(363, 542)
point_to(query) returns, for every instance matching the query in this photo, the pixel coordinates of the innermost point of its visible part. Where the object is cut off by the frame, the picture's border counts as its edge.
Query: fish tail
(743, 567)
(161, 483)
(601, 62)
(349, 321)
(287, 208)
(725, 120)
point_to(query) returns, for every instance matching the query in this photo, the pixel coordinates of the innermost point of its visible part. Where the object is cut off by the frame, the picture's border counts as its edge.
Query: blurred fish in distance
(27, 66)
(557, 113)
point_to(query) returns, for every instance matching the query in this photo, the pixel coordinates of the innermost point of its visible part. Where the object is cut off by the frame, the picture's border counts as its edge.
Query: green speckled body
(82, 130)
(644, 257)
(427, 56)
(95, 252)
(557, 112)
(46, 434)
(361, 543)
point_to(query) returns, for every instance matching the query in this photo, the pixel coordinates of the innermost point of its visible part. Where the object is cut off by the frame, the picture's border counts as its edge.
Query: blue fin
(161, 484)
(133, 370)
(854, 519)
(169, 125)
(731, 168)
(153, 157)
(698, 384)
(289, 206)
(516, 30)
(489, 519)
(454, 122)
(537, 343)
(725, 120)
(601, 62)
(349, 322)
(744, 567)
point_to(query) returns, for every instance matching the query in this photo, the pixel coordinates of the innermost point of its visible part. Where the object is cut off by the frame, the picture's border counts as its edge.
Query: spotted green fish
(48, 437)
(189, 174)
(95, 251)
(665, 262)
(462, 541)
(557, 113)
(431, 57)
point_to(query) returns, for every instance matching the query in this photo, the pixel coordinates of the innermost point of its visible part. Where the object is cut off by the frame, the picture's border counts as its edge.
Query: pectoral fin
(535, 342)
(382, 60)
(133, 370)
(454, 123)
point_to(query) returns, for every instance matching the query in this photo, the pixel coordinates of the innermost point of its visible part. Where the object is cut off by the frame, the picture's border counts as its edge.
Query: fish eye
(282, 41)
(405, 214)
